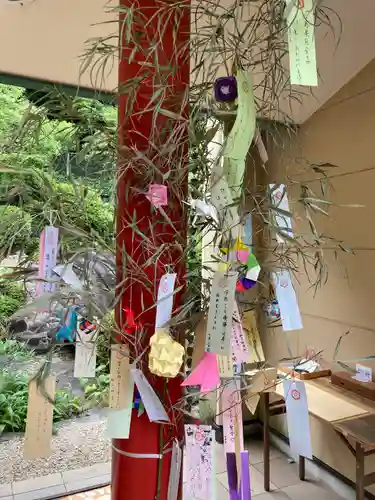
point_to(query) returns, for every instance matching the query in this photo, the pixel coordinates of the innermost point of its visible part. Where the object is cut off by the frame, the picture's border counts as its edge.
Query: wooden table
(351, 417)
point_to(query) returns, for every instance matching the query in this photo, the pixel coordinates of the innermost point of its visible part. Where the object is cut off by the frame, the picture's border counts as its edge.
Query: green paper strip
(301, 41)
(252, 261)
(240, 137)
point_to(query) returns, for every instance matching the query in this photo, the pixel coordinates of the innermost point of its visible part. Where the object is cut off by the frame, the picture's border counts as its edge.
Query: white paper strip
(280, 200)
(199, 467)
(220, 313)
(287, 299)
(85, 356)
(222, 200)
(175, 472)
(297, 415)
(154, 409)
(165, 300)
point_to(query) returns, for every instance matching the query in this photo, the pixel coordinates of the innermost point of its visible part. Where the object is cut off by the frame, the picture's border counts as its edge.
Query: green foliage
(14, 350)
(97, 391)
(103, 344)
(14, 397)
(15, 229)
(12, 298)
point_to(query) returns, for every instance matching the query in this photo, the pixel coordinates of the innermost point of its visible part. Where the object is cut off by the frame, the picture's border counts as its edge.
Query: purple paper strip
(232, 477)
(245, 476)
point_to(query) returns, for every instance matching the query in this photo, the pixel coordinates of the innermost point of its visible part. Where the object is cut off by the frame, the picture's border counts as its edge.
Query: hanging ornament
(225, 89)
(166, 355)
(244, 284)
(67, 331)
(272, 310)
(157, 195)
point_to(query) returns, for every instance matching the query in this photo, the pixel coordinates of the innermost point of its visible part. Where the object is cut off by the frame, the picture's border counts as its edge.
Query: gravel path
(77, 444)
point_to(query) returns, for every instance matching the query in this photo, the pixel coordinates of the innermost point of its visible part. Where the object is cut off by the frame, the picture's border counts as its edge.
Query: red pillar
(152, 149)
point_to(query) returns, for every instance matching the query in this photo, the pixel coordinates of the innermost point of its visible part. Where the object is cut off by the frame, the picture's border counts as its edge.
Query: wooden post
(161, 37)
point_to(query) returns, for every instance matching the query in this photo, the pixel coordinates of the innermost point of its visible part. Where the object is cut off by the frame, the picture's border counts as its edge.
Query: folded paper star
(157, 195)
(166, 355)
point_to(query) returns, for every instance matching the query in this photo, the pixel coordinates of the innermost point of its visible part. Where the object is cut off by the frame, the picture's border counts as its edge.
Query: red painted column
(152, 149)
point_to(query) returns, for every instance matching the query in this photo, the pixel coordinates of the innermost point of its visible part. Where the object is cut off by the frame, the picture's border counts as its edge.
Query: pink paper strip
(206, 374)
(231, 406)
(240, 348)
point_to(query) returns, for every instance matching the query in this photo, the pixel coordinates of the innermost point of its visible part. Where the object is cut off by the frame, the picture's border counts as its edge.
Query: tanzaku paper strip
(301, 41)
(241, 135)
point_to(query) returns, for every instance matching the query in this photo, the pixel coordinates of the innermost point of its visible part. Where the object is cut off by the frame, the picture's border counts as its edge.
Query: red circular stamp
(296, 394)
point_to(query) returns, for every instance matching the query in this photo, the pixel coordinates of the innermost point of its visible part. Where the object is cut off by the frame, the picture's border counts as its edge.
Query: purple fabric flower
(225, 89)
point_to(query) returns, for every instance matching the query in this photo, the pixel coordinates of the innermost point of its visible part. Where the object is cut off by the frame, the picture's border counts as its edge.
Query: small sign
(39, 420)
(363, 373)
(119, 395)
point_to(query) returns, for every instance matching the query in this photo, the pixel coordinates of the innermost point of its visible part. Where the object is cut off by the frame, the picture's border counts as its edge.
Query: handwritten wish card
(165, 299)
(240, 348)
(49, 240)
(199, 469)
(225, 366)
(154, 408)
(120, 396)
(85, 356)
(39, 420)
(301, 42)
(231, 405)
(221, 199)
(220, 313)
(297, 415)
(287, 299)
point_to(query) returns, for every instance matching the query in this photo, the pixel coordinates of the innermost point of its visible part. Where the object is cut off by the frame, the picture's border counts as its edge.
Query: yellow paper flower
(166, 355)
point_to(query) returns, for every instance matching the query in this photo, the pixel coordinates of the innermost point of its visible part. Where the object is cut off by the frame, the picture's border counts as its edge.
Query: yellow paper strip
(249, 325)
(225, 366)
(39, 421)
(301, 41)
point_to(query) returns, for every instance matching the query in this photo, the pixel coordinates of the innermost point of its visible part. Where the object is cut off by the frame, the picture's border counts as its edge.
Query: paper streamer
(297, 416)
(154, 408)
(245, 476)
(85, 356)
(49, 240)
(234, 493)
(199, 461)
(241, 135)
(301, 41)
(287, 299)
(165, 300)
(206, 374)
(220, 313)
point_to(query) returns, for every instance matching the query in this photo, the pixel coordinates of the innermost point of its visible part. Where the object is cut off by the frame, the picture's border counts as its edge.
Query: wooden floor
(99, 494)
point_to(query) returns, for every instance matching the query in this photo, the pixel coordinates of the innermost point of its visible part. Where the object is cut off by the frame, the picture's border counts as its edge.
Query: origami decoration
(244, 284)
(206, 374)
(166, 355)
(238, 252)
(66, 332)
(157, 195)
(225, 89)
(204, 209)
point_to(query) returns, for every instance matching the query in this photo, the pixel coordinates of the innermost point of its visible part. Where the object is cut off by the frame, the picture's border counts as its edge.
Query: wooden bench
(351, 416)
